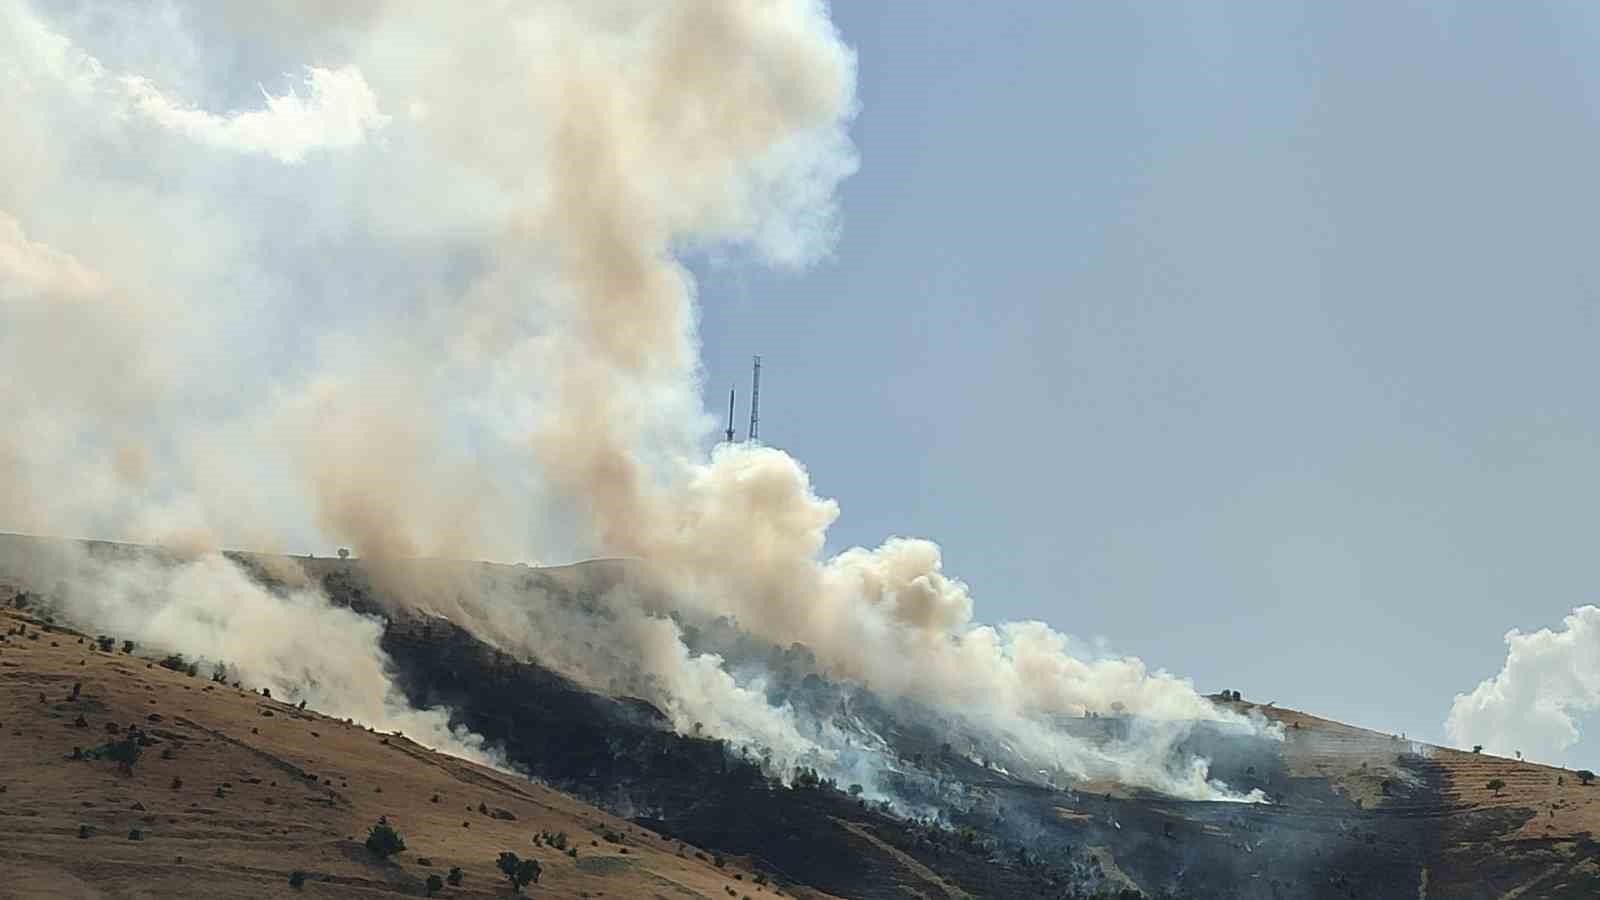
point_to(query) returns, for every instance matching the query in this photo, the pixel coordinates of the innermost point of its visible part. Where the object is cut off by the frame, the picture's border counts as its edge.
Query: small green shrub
(126, 752)
(518, 871)
(383, 841)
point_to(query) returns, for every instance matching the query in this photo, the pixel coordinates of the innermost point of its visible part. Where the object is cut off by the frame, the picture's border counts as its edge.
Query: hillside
(1353, 813)
(237, 791)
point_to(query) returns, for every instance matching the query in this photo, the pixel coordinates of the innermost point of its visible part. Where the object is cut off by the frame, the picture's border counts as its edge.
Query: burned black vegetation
(966, 818)
(999, 835)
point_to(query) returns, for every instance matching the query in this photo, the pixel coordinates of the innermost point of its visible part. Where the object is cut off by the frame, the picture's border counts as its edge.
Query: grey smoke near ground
(1533, 705)
(424, 296)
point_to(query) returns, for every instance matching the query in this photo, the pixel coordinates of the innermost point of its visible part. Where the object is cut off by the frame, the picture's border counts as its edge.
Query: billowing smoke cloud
(1530, 706)
(435, 305)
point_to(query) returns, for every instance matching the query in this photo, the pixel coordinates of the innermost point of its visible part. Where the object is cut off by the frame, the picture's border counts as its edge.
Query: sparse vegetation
(127, 751)
(297, 879)
(383, 840)
(455, 876)
(1497, 785)
(520, 872)
(1585, 777)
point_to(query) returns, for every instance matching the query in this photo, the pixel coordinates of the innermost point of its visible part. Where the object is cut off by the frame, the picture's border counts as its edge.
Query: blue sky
(1256, 338)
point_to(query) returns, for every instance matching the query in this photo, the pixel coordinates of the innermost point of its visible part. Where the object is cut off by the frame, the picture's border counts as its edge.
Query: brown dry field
(267, 790)
(1358, 761)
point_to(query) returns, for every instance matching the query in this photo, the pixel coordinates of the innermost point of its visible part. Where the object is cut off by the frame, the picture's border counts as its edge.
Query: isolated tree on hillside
(1496, 785)
(127, 751)
(344, 553)
(519, 871)
(1585, 777)
(383, 840)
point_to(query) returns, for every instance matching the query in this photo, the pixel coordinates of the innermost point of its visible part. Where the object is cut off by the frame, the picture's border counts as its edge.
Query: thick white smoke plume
(432, 303)
(293, 642)
(1530, 706)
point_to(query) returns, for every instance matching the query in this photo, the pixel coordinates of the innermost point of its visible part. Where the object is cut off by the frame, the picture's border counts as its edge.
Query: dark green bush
(518, 871)
(383, 840)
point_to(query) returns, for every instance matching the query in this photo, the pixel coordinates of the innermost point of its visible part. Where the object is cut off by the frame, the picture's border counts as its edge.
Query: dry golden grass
(1358, 761)
(267, 790)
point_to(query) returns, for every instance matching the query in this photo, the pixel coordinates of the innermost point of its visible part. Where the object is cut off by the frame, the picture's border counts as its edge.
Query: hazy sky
(1257, 338)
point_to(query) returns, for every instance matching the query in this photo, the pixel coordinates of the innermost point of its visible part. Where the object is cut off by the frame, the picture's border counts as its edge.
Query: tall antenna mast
(729, 432)
(755, 405)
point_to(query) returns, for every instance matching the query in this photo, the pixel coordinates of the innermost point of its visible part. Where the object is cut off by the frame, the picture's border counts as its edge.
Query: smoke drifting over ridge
(435, 307)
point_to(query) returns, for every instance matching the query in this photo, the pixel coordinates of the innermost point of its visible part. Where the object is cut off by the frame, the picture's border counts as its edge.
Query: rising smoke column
(674, 144)
(1531, 704)
(459, 228)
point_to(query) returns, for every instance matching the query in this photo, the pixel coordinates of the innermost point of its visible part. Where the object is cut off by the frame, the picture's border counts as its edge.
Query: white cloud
(1528, 707)
(338, 110)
